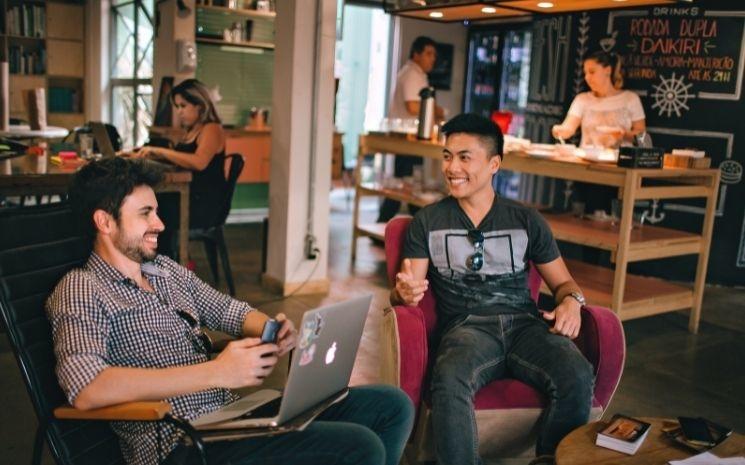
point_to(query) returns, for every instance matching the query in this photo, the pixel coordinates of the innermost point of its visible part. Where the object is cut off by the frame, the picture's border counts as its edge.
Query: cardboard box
(678, 161)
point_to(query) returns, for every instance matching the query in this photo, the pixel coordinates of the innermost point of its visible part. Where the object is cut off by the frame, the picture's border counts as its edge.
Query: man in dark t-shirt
(474, 249)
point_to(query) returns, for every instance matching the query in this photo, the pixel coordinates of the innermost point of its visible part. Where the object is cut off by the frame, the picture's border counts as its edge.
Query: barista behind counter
(608, 116)
(411, 79)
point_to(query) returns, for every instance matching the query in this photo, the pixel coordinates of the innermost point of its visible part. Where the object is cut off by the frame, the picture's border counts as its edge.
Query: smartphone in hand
(269, 334)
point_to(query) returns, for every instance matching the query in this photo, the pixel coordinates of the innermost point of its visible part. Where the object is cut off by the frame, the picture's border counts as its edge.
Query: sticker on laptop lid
(306, 356)
(310, 331)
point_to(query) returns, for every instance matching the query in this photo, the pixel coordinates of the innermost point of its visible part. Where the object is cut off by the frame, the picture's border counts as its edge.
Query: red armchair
(506, 410)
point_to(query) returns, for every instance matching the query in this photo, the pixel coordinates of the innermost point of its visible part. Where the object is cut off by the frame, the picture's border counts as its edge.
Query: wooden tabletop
(24, 131)
(578, 448)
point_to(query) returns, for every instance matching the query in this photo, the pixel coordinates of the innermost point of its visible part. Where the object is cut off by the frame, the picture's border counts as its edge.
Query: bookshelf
(44, 44)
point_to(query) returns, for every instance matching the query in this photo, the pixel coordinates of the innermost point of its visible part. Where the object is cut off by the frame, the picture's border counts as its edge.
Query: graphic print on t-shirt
(504, 252)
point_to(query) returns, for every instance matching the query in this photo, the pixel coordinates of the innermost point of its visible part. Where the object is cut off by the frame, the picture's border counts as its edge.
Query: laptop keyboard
(268, 410)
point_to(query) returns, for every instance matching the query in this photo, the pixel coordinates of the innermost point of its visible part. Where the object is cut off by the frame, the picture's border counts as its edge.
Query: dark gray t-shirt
(513, 236)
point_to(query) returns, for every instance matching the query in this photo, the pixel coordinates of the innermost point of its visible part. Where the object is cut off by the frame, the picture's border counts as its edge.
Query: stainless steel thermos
(426, 113)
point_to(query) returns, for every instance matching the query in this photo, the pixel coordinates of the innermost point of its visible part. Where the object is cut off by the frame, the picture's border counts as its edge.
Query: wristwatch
(578, 297)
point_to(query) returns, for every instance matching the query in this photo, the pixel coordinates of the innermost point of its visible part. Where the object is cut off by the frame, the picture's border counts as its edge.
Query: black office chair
(213, 236)
(38, 245)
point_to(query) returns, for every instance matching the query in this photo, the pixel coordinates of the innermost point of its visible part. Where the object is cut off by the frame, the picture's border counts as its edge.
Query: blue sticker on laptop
(310, 331)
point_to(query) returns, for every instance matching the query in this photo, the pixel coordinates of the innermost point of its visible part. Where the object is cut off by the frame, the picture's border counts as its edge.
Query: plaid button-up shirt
(101, 319)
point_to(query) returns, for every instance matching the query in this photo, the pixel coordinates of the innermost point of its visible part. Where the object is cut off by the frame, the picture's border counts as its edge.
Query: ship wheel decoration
(671, 95)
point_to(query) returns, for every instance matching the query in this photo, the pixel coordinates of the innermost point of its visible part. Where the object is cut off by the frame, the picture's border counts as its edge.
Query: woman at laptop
(201, 149)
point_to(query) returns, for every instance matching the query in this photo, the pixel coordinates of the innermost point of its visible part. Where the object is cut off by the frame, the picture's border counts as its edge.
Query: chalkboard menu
(673, 55)
(687, 63)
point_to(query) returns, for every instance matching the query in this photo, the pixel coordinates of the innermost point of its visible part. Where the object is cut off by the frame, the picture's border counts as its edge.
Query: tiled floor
(669, 372)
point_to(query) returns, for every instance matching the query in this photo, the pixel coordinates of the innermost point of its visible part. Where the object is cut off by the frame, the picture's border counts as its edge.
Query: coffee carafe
(426, 113)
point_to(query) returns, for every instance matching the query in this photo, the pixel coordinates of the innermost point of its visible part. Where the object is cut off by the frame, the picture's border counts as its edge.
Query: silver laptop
(328, 339)
(101, 136)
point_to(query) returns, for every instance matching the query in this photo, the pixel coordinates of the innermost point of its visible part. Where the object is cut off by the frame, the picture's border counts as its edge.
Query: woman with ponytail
(607, 114)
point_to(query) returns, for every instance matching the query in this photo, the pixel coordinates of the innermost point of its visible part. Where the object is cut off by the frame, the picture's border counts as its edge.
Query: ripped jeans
(481, 349)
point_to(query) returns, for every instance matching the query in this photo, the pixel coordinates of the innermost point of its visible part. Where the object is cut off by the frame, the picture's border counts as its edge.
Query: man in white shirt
(411, 79)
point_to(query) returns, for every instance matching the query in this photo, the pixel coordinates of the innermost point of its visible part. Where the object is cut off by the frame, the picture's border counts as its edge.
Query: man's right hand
(245, 362)
(409, 290)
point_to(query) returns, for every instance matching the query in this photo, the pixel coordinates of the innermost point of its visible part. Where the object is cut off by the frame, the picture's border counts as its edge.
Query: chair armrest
(404, 350)
(132, 411)
(603, 343)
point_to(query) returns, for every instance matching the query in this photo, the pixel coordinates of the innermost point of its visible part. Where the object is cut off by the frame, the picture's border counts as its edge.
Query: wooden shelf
(402, 194)
(269, 15)
(644, 296)
(225, 43)
(647, 242)
(374, 230)
(64, 44)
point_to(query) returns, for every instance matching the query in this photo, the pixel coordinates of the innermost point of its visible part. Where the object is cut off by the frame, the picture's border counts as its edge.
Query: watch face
(579, 298)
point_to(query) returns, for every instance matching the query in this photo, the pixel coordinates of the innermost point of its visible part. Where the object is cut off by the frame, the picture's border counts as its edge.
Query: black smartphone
(269, 334)
(696, 431)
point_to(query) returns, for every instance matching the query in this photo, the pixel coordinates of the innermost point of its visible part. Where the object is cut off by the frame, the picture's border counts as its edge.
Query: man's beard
(133, 249)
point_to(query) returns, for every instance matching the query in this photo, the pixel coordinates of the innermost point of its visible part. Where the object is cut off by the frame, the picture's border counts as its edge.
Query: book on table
(623, 434)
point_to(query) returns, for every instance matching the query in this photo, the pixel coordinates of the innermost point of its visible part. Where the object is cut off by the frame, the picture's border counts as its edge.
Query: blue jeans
(369, 427)
(481, 349)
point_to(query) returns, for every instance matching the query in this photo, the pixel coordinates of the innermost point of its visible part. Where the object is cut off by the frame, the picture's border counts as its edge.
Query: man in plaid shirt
(127, 327)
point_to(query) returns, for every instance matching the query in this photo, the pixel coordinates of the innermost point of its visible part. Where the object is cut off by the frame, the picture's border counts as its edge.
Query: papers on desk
(707, 458)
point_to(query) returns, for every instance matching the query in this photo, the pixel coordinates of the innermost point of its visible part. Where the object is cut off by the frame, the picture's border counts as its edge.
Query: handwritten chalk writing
(664, 11)
(675, 61)
(642, 73)
(639, 60)
(698, 28)
(721, 76)
(649, 27)
(550, 59)
(668, 45)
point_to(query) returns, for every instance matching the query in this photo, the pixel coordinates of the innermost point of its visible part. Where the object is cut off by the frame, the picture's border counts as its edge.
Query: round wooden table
(578, 448)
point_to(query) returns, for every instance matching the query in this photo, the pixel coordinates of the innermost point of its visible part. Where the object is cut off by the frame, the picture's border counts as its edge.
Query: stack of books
(623, 434)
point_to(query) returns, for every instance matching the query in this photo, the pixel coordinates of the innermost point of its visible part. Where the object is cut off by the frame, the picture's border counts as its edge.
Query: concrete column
(96, 87)
(300, 173)
(174, 25)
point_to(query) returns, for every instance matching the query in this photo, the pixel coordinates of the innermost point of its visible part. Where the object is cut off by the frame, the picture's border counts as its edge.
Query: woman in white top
(608, 114)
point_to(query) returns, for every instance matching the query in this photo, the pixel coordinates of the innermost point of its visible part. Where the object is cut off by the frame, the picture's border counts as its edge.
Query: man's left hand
(287, 335)
(566, 317)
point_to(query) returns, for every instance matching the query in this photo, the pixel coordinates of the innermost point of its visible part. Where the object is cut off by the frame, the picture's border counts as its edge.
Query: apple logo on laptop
(331, 353)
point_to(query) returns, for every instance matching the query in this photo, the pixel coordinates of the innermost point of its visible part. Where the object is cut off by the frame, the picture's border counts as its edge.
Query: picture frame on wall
(441, 75)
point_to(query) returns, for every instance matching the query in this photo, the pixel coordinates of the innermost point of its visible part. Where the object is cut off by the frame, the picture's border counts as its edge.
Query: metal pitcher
(426, 113)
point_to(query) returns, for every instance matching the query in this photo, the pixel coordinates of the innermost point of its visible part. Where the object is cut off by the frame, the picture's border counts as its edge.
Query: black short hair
(103, 185)
(477, 125)
(419, 44)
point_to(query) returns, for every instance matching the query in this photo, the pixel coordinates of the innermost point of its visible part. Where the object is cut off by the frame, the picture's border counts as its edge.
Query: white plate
(566, 150)
(598, 154)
